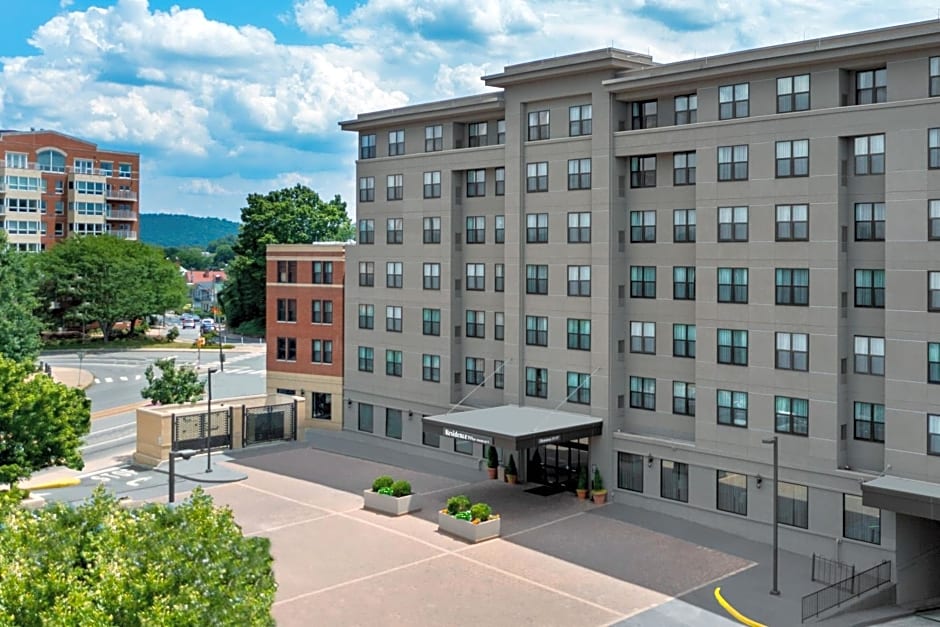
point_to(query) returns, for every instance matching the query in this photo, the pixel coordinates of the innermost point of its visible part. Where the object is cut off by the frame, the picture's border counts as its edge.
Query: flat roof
(514, 427)
(904, 496)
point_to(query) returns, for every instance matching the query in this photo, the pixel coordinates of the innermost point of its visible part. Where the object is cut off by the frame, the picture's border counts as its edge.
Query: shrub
(583, 479)
(382, 482)
(172, 334)
(457, 504)
(401, 488)
(511, 466)
(386, 491)
(598, 481)
(481, 512)
(492, 458)
(465, 515)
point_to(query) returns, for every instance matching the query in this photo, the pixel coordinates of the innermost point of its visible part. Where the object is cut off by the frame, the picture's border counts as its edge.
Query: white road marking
(137, 378)
(111, 441)
(123, 378)
(97, 380)
(108, 380)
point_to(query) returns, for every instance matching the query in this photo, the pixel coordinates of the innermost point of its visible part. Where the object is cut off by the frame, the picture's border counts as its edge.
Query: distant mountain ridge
(171, 229)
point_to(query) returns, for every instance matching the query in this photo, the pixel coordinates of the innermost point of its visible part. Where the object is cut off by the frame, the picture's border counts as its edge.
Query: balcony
(121, 194)
(121, 214)
(124, 234)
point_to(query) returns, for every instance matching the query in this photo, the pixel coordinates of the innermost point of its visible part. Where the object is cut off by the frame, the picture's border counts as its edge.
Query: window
(536, 279)
(393, 274)
(933, 434)
(792, 223)
(286, 349)
(870, 288)
(536, 382)
(536, 228)
(579, 388)
(869, 221)
(476, 132)
(630, 472)
(499, 277)
(791, 415)
(733, 101)
(860, 522)
(869, 355)
(322, 405)
(933, 362)
(393, 363)
(683, 398)
(732, 492)
(579, 174)
(674, 480)
(499, 326)
(579, 227)
(793, 158)
(870, 422)
(538, 125)
(286, 310)
(366, 273)
(732, 285)
(579, 280)
(323, 272)
(321, 351)
(432, 230)
(431, 368)
(732, 224)
(321, 312)
(579, 336)
(463, 446)
(59, 228)
(643, 171)
(367, 146)
(365, 417)
(501, 132)
(732, 408)
(286, 271)
(366, 188)
(683, 340)
(476, 229)
(396, 143)
(430, 321)
(476, 276)
(473, 371)
(393, 423)
(579, 120)
(686, 109)
(642, 281)
(683, 168)
(792, 351)
(432, 184)
(643, 337)
(476, 323)
(732, 163)
(107, 168)
(432, 276)
(394, 187)
(500, 175)
(433, 138)
(793, 93)
(933, 148)
(499, 234)
(792, 505)
(537, 177)
(683, 225)
(732, 347)
(935, 76)
(871, 86)
(869, 155)
(499, 377)
(642, 227)
(643, 393)
(476, 183)
(792, 286)
(124, 170)
(536, 330)
(366, 231)
(366, 316)
(366, 358)
(17, 160)
(933, 219)
(643, 115)
(393, 318)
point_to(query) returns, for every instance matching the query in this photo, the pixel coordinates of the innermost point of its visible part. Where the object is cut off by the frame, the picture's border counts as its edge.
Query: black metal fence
(831, 571)
(189, 431)
(838, 593)
(269, 423)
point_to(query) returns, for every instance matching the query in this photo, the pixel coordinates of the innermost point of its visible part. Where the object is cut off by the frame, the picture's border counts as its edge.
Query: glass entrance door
(557, 463)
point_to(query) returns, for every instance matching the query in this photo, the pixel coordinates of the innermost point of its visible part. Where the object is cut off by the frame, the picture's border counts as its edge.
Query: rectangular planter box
(466, 530)
(391, 505)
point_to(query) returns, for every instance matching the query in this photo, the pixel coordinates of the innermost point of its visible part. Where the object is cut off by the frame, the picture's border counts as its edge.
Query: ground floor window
(287, 391)
(860, 522)
(431, 439)
(732, 492)
(365, 417)
(793, 505)
(322, 405)
(393, 423)
(630, 472)
(674, 481)
(463, 446)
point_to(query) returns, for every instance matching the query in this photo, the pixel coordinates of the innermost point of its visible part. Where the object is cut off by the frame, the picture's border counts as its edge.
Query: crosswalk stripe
(123, 378)
(108, 380)
(97, 380)
(137, 378)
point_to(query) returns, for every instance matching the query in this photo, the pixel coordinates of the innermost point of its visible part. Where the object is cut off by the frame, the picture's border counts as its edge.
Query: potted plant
(492, 462)
(473, 523)
(512, 473)
(390, 497)
(582, 488)
(599, 493)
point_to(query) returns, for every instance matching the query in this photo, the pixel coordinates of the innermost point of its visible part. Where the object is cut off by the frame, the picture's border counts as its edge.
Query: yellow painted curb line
(59, 483)
(741, 618)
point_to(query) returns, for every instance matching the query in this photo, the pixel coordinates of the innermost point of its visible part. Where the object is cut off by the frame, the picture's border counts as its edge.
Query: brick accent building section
(305, 327)
(53, 185)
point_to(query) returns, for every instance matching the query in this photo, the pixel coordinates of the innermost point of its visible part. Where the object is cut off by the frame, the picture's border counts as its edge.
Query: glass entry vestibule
(557, 463)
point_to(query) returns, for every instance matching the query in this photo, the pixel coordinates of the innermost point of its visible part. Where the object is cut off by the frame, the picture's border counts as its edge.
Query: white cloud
(202, 187)
(316, 17)
(462, 80)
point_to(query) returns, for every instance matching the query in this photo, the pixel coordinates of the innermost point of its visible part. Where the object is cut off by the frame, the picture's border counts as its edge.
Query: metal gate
(189, 431)
(269, 423)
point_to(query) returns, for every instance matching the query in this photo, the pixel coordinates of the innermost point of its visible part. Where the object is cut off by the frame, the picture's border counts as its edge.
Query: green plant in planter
(511, 467)
(458, 504)
(386, 491)
(464, 515)
(382, 482)
(401, 488)
(481, 512)
(583, 479)
(598, 481)
(492, 458)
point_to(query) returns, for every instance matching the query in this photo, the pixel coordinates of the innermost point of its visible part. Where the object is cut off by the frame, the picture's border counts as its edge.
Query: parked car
(208, 324)
(188, 323)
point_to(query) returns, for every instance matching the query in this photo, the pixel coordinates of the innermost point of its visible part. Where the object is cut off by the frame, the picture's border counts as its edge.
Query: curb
(738, 616)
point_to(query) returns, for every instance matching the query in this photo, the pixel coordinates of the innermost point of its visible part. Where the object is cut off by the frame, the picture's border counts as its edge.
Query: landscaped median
(390, 497)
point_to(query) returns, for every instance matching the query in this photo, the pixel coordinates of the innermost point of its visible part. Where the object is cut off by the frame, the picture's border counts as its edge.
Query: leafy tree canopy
(295, 215)
(42, 422)
(176, 384)
(19, 327)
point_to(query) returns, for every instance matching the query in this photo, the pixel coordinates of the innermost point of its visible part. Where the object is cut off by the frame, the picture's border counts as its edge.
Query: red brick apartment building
(53, 185)
(305, 327)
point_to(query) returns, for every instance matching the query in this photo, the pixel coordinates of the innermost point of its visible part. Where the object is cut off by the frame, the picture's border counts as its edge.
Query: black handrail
(838, 593)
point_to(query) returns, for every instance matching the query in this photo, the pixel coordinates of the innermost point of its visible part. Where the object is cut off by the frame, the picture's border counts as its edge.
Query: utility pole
(774, 590)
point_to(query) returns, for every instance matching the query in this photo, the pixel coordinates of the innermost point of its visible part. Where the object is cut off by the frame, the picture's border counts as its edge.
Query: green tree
(103, 564)
(19, 327)
(223, 255)
(295, 215)
(176, 384)
(42, 422)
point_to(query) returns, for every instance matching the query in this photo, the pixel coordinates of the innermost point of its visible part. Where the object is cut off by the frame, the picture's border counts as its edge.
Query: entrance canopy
(512, 427)
(905, 496)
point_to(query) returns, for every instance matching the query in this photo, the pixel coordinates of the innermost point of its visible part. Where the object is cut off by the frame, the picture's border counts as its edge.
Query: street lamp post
(81, 358)
(211, 371)
(185, 454)
(774, 590)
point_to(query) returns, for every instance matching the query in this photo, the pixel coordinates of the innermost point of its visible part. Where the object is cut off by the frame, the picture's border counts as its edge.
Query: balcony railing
(69, 169)
(121, 214)
(124, 234)
(121, 194)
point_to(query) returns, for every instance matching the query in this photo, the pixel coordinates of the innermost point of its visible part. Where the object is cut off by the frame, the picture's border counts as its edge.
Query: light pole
(774, 591)
(211, 371)
(185, 454)
(81, 358)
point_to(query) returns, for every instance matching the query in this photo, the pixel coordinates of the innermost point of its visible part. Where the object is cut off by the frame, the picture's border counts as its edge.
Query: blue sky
(223, 98)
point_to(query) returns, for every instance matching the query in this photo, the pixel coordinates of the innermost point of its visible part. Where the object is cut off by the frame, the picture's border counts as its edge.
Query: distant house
(204, 287)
